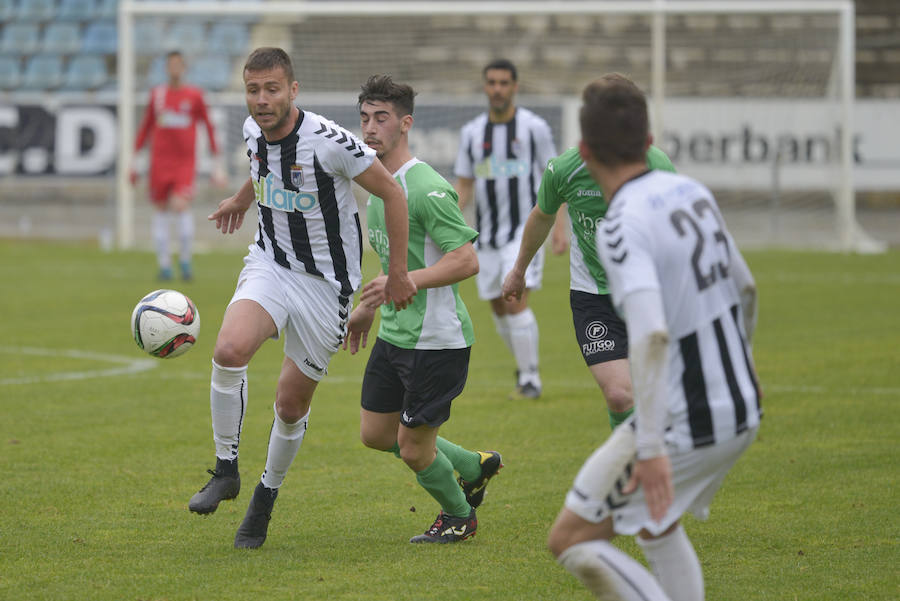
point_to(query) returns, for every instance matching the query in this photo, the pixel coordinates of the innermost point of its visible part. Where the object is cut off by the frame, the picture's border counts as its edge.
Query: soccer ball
(165, 323)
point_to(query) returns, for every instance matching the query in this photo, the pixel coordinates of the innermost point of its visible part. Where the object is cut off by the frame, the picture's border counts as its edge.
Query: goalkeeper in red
(170, 126)
(689, 304)
(420, 361)
(599, 330)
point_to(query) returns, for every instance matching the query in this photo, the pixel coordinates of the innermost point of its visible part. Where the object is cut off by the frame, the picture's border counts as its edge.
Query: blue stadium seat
(20, 38)
(36, 10)
(149, 37)
(100, 38)
(156, 74)
(211, 72)
(86, 72)
(228, 38)
(62, 38)
(10, 72)
(107, 9)
(187, 36)
(7, 10)
(43, 72)
(77, 10)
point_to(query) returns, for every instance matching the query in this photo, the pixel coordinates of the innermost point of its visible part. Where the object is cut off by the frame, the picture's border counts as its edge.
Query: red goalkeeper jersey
(170, 125)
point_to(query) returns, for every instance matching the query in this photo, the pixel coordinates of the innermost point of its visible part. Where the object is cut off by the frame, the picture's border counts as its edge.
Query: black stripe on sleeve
(694, 385)
(750, 371)
(536, 169)
(512, 182)
(737, 399)
(330, 215)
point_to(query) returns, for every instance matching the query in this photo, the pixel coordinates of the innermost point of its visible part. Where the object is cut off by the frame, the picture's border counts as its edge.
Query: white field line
(127, 365)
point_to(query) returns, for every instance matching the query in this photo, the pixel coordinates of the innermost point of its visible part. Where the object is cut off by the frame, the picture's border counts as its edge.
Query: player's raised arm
(229, 216)
(376, 180)
(464, 187)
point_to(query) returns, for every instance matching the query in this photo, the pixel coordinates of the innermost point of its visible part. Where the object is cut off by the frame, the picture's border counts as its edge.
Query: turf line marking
(127, 365)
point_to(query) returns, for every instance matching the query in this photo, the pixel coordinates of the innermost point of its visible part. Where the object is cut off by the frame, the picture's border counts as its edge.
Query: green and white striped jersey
(437, 318)
(566, 180)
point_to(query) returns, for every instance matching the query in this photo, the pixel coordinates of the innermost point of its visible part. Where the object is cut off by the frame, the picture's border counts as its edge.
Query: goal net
(754, 98)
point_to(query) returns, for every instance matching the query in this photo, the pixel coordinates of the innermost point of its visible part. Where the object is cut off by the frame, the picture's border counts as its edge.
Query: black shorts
(421, 384)
(599, 330)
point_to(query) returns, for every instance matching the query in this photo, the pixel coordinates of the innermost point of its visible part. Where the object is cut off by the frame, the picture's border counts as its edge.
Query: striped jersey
(437, 318)
(308, 220)
(506, 161)
(567, 180)
(664, 231)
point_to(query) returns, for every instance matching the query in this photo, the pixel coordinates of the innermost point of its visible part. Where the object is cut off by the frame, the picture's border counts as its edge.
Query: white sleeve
(463, 166)
(648, 341)
(746, 287)
(346, 154)
(546, 150)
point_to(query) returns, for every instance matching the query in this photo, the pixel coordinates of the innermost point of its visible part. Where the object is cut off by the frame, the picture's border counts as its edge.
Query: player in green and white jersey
(599, 330)
(420, 361)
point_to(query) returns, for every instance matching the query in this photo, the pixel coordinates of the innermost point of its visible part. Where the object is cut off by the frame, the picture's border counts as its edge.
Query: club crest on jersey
(516, 147)
(297, 175)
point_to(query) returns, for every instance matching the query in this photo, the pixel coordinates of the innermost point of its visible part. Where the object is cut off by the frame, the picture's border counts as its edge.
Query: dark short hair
(384, 89)
(267, 57)
(614, 121)
(501, 63)
(173, 53)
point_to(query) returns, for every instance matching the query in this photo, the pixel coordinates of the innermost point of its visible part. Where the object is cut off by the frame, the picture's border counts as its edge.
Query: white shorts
(306, 308)
(495, 263)
(696, 475)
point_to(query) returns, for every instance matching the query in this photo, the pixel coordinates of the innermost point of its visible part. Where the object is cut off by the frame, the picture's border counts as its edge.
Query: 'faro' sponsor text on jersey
(493, 168)
(379, 241)
(280, 199)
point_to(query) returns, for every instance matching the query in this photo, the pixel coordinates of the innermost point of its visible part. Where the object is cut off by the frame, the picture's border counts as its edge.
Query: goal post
(753, 97)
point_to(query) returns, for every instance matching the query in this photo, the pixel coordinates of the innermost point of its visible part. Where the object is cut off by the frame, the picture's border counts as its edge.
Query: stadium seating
(10, 72)
(85, 72)
(20, 38)
(61, 38)
(228, 38)
(7, 11)
(100, 38)
(43, 72)
(106, 9)
(77, 10)
(149, 37)
(36, 10)
(188, 37)
(211, 72)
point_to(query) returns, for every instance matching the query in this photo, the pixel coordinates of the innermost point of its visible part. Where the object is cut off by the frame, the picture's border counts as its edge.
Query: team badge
(516, 147)
(297, 175)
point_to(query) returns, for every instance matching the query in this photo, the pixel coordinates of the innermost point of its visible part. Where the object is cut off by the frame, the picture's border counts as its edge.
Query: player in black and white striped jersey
(502, 155)
(298, 277)
(689, 304)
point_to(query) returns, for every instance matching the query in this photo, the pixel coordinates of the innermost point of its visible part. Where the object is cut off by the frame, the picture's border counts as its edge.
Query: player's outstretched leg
(251, 534)
(490, 462)
(224, 485)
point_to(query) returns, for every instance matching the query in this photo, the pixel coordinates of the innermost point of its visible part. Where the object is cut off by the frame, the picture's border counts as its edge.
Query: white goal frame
(850, 236)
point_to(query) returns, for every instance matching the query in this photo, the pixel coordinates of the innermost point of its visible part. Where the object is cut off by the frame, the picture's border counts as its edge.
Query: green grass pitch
(99, 459)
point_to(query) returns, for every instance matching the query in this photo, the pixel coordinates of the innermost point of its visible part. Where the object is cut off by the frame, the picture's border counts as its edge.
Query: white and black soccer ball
(165, 324)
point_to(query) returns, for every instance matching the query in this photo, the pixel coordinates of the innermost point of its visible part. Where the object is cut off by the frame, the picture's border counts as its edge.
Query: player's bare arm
(358, 327)
(229, 216)
(465, 187)
(453, 267)
(376, 180)
(536, 230)
(559, 242)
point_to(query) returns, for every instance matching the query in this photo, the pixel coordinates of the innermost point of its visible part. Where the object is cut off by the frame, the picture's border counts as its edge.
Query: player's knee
(557, 540)
(416, 457)
(229, 354)
(376, 440)
(618, 398)
(290, 408)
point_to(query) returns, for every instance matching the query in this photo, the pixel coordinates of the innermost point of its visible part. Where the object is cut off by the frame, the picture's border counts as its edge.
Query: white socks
(284, 442)
(227, 402)
(186, 234)
(523, 336)
(160, 231)
(675, 565)
(610, 574)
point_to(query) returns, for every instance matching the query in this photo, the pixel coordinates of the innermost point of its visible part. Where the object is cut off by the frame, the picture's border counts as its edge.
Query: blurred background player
(501, 156)
(170, 120)
(420, 361)
(689, 303)
(599, 330)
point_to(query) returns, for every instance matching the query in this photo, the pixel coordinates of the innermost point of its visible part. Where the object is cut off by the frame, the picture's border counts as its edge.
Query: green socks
(617, 417)
(438, 479)
(467, 463)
